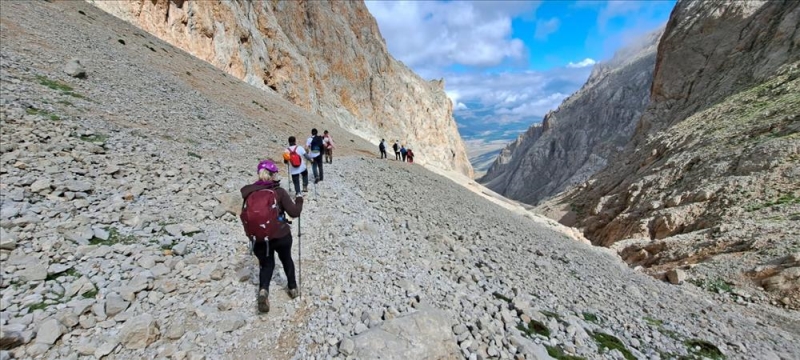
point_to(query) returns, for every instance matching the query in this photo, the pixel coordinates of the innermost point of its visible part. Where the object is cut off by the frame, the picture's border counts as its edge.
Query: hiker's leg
(266, 261)
(305, 179)
(321, 174)
(283, 247)
(296, 181)
(314, 168)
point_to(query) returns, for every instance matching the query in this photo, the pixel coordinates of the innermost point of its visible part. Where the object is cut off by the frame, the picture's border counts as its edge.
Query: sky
(507, 63)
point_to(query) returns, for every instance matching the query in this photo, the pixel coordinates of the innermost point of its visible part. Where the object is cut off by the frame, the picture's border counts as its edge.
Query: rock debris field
(120, 239)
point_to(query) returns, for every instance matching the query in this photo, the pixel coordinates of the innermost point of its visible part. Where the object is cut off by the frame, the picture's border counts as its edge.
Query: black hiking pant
(397, 155)
(316, 167)
(383, 153)
(266, 260)
(296, 181)
(404, 157)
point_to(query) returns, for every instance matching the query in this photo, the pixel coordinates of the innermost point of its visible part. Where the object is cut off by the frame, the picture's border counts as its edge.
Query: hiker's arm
(293, 208)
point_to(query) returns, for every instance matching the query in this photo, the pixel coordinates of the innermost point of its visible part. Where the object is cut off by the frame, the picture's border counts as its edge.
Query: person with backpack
(396, 150)
(403, 152)
(315, 147)
(264, 208)
(293, 155)
(327, 144)
(410, 155)
(382, 148)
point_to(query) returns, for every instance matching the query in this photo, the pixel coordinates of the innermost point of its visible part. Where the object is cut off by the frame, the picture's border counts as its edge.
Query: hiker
(315, 148)
(410, 155)
(396, 150)
(293, 155)
(327, 142)
(382, 148)
(403, 152)
(264, 218)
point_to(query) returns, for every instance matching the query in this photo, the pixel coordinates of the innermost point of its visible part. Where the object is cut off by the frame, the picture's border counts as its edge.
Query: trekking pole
(300, 259)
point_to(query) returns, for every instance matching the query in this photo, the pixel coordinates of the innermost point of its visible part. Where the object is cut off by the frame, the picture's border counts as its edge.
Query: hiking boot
(305, 189)
(293, 293)
(263, 301)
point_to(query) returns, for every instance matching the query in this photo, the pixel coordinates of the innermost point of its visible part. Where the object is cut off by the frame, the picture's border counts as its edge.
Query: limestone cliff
(327, 57)
(712, 170)
(576, 140)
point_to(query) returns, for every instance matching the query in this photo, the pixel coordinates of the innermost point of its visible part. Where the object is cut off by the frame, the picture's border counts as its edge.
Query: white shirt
(300, 151)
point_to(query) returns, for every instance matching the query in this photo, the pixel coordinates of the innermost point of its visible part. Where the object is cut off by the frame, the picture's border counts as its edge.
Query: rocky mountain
(326, 57)
(709, 180)
(121, 157)
(588, 128)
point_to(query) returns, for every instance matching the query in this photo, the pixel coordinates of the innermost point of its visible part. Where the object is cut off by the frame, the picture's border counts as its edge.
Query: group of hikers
(400, 151)
(266, 204)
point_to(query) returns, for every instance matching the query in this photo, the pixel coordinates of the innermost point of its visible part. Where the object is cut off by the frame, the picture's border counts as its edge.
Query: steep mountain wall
(327, 57)
(713, 168)
(576, 140)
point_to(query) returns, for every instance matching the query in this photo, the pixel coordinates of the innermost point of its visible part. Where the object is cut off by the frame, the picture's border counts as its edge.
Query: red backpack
(294, 158)
(261, 215)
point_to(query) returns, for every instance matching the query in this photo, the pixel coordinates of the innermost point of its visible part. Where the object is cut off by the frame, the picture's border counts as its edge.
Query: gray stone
(676, 276)
(175, 331)
(40, 185)
(231, 322)
(10, 339)
(147, 262)
(101, 233)
(347, 347)
(180, 249)
(115, 304)
(78, 186)
(174, 229)
(7, 240)
(106, 348)
(529, 348)
(35, 272)
(423, 334)
(58, 268)
(49, 332)
(139, 332)
(75, 69)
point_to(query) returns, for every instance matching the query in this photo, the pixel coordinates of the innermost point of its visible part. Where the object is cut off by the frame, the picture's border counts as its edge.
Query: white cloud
(461, 106)
(583, 63)
(546, 27)
(428, 35)
(513, 97)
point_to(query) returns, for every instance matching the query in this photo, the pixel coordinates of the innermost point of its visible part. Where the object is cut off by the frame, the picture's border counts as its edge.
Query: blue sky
(506, 63)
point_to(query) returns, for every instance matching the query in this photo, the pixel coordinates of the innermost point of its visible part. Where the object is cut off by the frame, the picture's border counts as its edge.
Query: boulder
(139, 332)
(425, 334)
(75, 69)
(676, 276)
(7, 240)
(49, 332)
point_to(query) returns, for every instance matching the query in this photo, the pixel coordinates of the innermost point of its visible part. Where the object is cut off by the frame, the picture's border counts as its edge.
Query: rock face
(588, 128)
(327, 57)
(713, 165)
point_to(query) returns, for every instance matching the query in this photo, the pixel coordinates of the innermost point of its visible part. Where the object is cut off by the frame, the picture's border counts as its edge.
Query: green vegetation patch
(44, 113)
(500, 296)
(94, 138)
(70, 272)
(717, 285)
(653, 321)
(704, 349)
(557, 353)
(551, 314)
(590, 317)
(113, 237)
(786, 199)
(59, 86)
(534, 327)
(89, 294)
(609, 342)
(194, 155)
